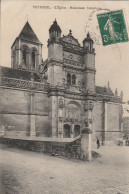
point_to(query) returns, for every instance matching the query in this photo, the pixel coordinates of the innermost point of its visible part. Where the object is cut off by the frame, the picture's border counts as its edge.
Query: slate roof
(18, 74)
(27, 33)
(104, 91)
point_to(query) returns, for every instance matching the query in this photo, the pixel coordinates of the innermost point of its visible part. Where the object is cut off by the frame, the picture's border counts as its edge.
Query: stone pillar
(124, 142)
(72, 130)
(54, 116)
(60, 122)
(19, 53)
(60, 116)
(89, 146)
(105, 121)
(105, 117)
(0, 75)
(60, 128)
(86, 138)
(32, 114)
(29, 63)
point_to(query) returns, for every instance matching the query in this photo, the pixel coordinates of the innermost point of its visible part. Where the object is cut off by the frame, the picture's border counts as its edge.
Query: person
(98, 143)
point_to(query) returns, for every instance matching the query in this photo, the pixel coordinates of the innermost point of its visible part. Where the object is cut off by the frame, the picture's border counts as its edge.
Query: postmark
(92, 24)
(112, 27)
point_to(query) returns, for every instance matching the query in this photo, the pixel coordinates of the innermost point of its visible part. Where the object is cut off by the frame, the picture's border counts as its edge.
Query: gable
(70, 39)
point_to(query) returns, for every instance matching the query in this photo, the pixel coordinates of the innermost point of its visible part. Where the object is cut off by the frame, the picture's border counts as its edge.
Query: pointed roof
(27, 33)
(88, 38)
(55, 27)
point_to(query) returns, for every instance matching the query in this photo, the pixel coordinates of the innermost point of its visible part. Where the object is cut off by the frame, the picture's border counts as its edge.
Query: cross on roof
(70, 31)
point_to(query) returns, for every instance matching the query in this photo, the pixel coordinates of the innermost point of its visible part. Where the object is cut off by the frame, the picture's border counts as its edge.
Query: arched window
(73, 79)
(33, 59)
(69, 78)
(24, 56)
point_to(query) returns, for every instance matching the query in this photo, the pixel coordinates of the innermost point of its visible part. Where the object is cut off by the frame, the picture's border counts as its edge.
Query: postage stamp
(112, 27)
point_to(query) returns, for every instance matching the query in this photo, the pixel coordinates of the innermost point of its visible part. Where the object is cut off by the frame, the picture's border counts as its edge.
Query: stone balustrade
(18, 83)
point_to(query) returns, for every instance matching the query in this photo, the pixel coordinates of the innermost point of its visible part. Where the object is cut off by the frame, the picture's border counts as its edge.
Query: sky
(112, 61)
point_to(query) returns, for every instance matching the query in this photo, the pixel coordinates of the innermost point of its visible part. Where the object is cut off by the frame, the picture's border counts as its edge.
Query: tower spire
(27, 18)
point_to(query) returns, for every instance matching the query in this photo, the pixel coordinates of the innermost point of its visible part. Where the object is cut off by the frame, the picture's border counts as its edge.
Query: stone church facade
(56, 97)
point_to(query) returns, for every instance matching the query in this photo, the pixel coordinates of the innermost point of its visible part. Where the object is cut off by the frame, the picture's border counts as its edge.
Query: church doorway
(66, 131)
(76, 130)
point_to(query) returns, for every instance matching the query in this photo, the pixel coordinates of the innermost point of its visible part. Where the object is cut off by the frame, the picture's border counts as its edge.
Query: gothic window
(24, 56)
(73, 79)
(69, 78)
(33, 59)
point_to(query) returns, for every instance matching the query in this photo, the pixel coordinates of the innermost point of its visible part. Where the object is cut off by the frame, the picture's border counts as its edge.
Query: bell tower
(26, 51)
(89, 61)
(55, 55)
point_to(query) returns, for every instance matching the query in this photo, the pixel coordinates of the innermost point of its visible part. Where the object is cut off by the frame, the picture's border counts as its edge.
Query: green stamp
(112, 27)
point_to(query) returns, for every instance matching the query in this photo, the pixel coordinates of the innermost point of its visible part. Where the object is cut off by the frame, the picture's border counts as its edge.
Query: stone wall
(97, 125)
(106, 121)
(126, 124)
(15, 112)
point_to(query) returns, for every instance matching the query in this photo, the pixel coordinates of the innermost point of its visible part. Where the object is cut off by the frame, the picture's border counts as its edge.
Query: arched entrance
(66, 133)
(76, 130)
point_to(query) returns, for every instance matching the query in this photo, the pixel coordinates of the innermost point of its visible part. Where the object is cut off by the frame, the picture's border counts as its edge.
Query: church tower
(55, 55)
(26, 51)
(89, 62)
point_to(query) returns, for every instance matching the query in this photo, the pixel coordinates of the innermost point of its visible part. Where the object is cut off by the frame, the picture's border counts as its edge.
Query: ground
(27, 172)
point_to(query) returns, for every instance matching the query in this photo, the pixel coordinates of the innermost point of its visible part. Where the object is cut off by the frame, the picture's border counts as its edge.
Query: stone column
(105, 116)
(86, 152)
(60, 122)
(54, 116)
(89, 146)
(0, 75)
(105, 122)
(19, 53)
(60, 128)
(72, 130)
(60, 116)
(86, 139)
(32, 114)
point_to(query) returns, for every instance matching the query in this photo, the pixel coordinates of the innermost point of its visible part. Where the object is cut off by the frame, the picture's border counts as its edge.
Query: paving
(27, 172)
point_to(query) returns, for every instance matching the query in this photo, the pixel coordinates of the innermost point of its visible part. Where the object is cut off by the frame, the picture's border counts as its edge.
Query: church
(57, 97)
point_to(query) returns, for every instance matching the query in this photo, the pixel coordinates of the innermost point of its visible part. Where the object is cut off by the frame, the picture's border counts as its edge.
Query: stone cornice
(90, 70)
(55, 62)
(106, 98)
(75, 49)
(56, 91)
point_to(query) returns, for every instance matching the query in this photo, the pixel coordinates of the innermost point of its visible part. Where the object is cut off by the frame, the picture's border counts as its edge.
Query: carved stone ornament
(86, 106)
(90, 120)
(61, 103)
(91, 106)
(24, 84)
